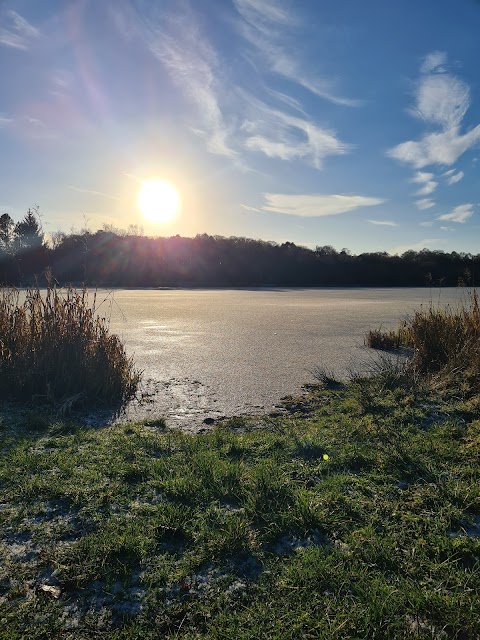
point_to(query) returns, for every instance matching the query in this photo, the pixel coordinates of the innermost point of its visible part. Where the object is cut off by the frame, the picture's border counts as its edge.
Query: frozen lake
(212, 353)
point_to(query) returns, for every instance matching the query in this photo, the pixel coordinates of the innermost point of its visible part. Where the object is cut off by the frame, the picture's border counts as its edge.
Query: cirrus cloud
(266, 25)
(17, 32)
(453, 179)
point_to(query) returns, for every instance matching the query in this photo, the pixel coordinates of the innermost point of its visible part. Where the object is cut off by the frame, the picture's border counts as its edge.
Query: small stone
(209, 421)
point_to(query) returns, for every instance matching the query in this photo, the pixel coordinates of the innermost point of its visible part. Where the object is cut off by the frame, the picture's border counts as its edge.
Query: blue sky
(355, 124)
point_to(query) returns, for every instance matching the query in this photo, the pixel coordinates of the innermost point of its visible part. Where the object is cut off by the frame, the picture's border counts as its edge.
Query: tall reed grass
(444, 343)
(55, 347)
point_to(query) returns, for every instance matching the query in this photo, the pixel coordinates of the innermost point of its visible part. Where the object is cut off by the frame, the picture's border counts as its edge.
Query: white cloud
(424, 203)
(316, 205)
(441, 100)
(280, 135)
(421, 176)
(193, 66)
(385, 223)
(442, 148)
(178, 43)
(230, 119)
(427, 189)
(434, 62)
(449, 172)
(459, 214)
(446, 229)
(18, 33)
(455, 178)
(427, 223)
(266, 25)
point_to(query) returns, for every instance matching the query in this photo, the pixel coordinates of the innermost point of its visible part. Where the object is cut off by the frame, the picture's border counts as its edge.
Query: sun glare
(158, 200)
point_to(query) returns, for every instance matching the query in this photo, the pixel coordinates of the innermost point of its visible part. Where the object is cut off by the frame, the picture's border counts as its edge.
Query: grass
(386, 340)
(354, 513)
(54, 347)
(444, 344)
(356, 519)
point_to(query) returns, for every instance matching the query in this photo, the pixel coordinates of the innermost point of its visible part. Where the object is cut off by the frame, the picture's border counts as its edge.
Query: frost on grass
(290, 543)
(468, 529)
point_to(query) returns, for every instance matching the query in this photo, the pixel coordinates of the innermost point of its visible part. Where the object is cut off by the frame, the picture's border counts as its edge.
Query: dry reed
(55, 347)
(444, 343)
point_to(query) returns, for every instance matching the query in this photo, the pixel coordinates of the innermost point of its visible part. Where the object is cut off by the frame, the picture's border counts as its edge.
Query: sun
(158, 200)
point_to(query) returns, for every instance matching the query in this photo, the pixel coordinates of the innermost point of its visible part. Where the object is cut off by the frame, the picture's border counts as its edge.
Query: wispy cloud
(267, 25)
(455, 178)
(280, 135)
(425, 203)
(26, 125)
(264, 13)
(248, 208)
(17, 32)
(426, 223)
(428, 188)
(231, 119)
(434, 61)
(442, 100)
(316, 205)
(459, 214)
(425, 179)
(176, 40)
(421, 176)
(194, 67)
(93, 192)
(384, 223)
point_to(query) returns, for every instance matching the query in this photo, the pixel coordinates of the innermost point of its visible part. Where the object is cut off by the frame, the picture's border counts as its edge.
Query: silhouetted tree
(112, 257)
(28, 233)
(6, 233)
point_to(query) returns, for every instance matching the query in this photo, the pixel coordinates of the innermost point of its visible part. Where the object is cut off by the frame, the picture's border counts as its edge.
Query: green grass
(358, 519)
(56, 349)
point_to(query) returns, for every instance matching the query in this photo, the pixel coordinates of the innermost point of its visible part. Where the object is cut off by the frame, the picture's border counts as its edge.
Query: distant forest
(116, 258)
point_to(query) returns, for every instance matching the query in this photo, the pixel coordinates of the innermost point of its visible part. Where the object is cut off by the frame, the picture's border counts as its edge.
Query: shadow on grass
(20, 421)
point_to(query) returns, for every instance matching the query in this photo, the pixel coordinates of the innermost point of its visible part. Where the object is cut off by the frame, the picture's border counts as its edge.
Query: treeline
(111, 257)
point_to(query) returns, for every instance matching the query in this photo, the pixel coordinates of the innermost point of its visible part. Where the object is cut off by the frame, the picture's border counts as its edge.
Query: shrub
(385, 340)
(55, 347)
(444, 343)
(446, 337)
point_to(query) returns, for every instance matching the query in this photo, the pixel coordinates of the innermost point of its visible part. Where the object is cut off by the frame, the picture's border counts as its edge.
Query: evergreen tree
(6, 233)
(28, 232)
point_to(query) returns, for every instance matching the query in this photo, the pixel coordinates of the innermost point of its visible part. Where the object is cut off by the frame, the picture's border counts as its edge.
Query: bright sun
(158, 200)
